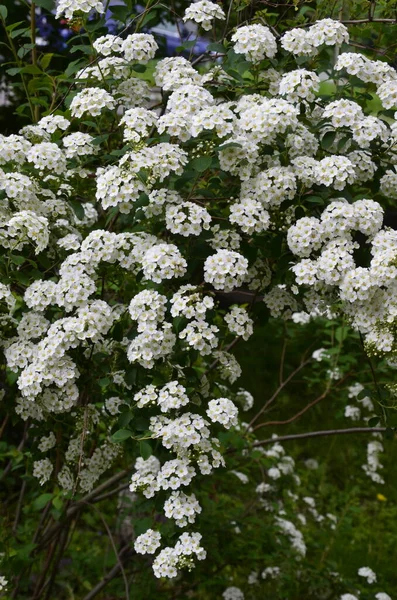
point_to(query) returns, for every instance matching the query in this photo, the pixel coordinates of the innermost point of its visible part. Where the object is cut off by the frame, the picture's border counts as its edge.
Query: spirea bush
(149, 220)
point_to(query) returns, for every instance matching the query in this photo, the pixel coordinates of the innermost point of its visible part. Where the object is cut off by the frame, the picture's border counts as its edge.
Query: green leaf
(216, 47)
(41, 501)
(31, 70)
(201, 164)
(341, 334)
(74, 66)
(314, 199)
(145, 450)
(85, 48)
(327, 140)
(17, 260)
(77, 208)
(17, 32)
(45, 60)
(13, 71)
(121, 13)
(121, 435)
(3, 12)
(124, 418)
(57, 503)
(47, 4)
(373, 421)
(139, 68)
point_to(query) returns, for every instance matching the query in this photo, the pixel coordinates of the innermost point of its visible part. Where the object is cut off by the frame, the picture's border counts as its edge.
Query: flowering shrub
(131, 215)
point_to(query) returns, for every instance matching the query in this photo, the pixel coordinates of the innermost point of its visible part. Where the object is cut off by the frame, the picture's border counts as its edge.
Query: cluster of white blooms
(271, 187)
(91, 101)
(163, 261)
(42, 470)
(139, 47)
(24, 227)
(225, 270)
(222, 410)
(182, 508)
(295, 536)
(250, 215)
(368, 573)
(229, 368)
(171, 396)
(270, 573)
(203, 12)
(79, 144)
(239, 322)
(169, 560)
(343, 113)
(187, 218)
(388, 184)
(200, 335)
(233, 593)
(369, 71)
(256, 42)
(299, 85)
(108, 44)
(280, 302)
(148, 542)
(307, 41)
(53, 122)
(188, 302)
(373, 465)
(47, 156)
(46, 443)
(137, 122)
(148, 309)
(73, 8)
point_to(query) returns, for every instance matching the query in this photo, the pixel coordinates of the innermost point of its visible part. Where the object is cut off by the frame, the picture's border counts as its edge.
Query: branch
(306, 408)
(278, 390)
(108, 577)
(312, 434)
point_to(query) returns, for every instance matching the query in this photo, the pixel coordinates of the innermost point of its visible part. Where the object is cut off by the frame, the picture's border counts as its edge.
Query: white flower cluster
(171, 396)
(299, 85)
(91, 101)
(225, 270)
(169, 560)
(256, 42)
(307, 41)
(203, 12)
(72, 8)
(182, 508)
(239, 322)
(368, 573)
(148, 542)
(223, 411)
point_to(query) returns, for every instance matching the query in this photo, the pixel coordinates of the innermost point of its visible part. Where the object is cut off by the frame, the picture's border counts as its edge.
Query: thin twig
(108, 577)
(127, 595)
(278, 390)
(312, 434)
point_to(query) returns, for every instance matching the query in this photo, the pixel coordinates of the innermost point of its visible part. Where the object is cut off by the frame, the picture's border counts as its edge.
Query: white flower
(203, 12)
(71, 8)
(368, 573)
(254, 41)
(148, 542)
(222, 411)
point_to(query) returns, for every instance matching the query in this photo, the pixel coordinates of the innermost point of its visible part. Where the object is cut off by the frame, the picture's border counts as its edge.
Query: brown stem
(278, 390)
(312, 434)
(19, 507)
(303, 410)
(108, 577)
